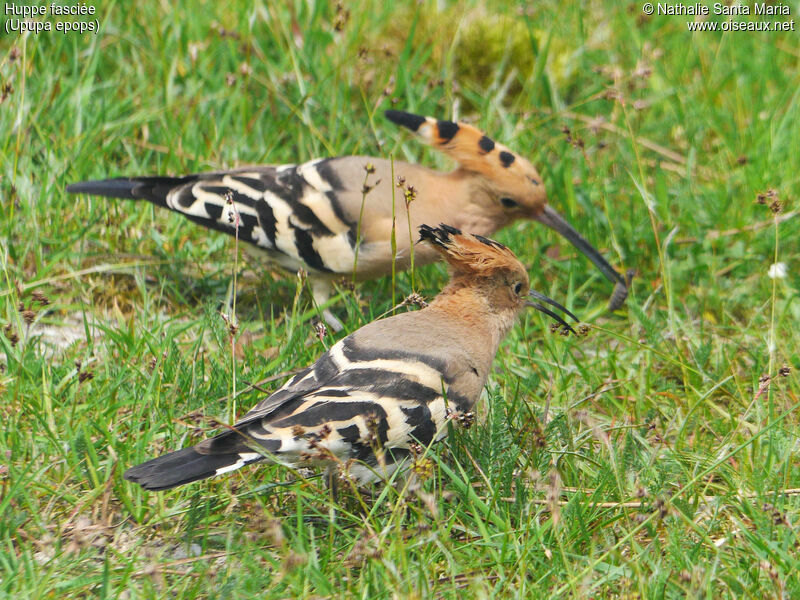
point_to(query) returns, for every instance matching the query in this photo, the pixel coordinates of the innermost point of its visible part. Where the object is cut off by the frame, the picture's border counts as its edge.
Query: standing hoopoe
(319, 216)
(385, 389)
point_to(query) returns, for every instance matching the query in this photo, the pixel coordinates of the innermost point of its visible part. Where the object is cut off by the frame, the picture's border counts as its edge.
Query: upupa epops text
(383, 391)
(318, 216)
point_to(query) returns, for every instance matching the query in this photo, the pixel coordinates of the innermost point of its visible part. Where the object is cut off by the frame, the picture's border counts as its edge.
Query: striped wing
(350, 402)
(291, 211)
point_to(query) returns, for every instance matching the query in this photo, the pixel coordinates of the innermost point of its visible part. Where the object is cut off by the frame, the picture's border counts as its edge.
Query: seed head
(414, 299)
(231, 322)
(410, 194)
(6, 90)
(662, 508)
(464, 419)
(539, 438)
(372, 437)
(39, 297)
(422, 467)
(11, 335)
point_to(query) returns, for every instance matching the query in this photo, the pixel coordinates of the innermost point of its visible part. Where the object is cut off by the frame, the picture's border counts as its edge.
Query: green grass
(646, 460)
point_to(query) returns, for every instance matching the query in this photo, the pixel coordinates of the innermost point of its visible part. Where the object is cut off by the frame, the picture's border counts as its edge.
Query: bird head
(490, 268)
(512, 186)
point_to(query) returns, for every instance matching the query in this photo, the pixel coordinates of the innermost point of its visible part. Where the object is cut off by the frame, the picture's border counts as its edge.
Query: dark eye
(518, 288)
(508, 202)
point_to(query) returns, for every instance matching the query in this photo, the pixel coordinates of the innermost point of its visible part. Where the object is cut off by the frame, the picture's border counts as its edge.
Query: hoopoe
(384, 391)
(321, 217)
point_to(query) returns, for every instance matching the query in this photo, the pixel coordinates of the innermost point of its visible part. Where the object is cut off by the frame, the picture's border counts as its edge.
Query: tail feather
(152, 189)
(185, 466)
(204, 198)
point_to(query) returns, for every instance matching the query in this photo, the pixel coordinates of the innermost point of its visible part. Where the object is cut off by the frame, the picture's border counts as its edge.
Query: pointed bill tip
(555, 316)
(547, 300)
(543, 309)
(620, 293)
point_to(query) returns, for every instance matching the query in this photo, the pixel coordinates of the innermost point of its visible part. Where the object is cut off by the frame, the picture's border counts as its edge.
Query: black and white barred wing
(291, 211)
(348, 404)
(353, 393)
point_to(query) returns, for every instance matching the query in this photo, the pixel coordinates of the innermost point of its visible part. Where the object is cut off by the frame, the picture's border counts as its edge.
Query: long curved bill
(547, 300)
(556, 222)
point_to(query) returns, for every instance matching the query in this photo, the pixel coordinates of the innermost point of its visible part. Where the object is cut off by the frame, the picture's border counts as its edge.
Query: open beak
(555, 221)
(541, 308)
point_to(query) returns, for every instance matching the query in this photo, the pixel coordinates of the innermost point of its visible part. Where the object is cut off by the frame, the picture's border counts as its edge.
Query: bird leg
(321, 290)
(332, 481)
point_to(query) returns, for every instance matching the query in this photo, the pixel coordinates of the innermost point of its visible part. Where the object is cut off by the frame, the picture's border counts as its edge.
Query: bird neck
(470, 308)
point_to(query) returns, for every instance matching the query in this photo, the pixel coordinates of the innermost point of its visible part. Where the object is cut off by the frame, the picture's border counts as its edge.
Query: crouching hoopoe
(315, 215)
(384, 390)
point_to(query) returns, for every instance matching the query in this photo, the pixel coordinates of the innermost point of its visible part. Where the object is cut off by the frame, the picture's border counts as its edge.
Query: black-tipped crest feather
(406, 119)
(440, 236)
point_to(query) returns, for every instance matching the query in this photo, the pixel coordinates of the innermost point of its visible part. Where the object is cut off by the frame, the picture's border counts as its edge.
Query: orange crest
(478, 153)
(469, 252)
